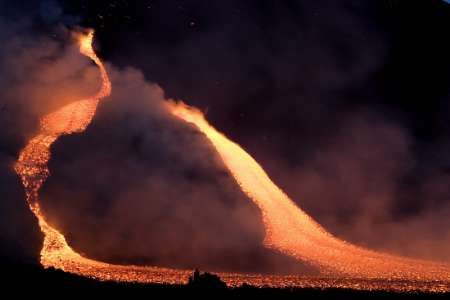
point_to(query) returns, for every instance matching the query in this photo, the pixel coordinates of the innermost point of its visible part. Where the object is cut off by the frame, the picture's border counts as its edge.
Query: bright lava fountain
(289, 230)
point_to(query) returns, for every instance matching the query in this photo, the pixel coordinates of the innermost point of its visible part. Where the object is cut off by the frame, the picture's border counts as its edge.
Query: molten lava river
(288, 228)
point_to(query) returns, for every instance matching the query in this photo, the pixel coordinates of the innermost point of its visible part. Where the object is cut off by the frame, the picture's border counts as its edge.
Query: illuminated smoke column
(32, 169)
(288, 229)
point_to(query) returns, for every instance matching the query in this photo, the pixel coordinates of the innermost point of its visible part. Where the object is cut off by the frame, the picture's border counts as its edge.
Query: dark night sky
(405, 39)
(345, 103)
(271, 72)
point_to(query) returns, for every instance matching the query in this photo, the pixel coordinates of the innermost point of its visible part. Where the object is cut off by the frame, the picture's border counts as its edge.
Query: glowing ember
(288, 229)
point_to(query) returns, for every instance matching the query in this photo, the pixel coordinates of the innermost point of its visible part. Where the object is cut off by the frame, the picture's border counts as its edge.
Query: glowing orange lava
(288, 229)
(291, 231)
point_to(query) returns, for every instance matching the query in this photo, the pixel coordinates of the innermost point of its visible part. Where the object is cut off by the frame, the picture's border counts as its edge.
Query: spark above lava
(288, 229)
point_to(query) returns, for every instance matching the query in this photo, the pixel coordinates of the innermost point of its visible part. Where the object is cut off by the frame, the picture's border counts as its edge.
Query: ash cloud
(297, 84)
(366, 185)
(344, 103)
(177, 206)
(141, 186)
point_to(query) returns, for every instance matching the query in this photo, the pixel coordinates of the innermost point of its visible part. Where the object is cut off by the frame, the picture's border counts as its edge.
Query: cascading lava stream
(291, 231)
(32, 163)
(288, 229)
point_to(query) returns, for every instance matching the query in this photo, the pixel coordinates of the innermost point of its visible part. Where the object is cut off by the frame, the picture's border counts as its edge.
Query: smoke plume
(140, 186)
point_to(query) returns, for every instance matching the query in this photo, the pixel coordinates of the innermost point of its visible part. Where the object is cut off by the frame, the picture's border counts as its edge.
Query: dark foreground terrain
(27, 278)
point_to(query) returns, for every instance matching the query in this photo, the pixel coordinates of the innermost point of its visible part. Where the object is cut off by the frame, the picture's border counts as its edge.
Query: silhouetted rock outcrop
(205, 280)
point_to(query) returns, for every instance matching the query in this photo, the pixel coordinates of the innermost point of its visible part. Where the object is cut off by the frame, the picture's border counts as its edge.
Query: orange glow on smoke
(288, 229)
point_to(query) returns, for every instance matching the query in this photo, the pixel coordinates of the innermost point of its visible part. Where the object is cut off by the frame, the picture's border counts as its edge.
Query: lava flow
(288, 229)
(291, 231)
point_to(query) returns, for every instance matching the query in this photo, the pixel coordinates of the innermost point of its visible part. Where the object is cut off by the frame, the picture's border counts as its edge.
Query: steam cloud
(176, 206)
(153, 190)
(139, 186)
